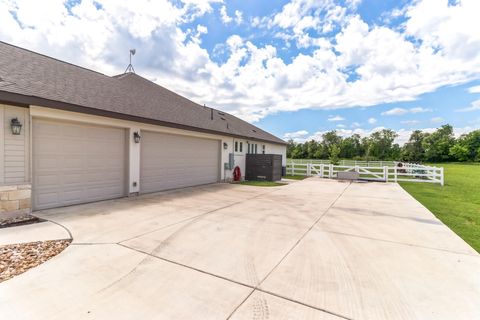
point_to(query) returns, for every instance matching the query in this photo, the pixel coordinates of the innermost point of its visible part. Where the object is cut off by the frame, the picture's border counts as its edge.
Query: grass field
(457, 204)
(262, 183)
(295, 177)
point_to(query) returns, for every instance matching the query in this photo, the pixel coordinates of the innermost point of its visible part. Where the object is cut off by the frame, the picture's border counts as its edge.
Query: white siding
(14, 149)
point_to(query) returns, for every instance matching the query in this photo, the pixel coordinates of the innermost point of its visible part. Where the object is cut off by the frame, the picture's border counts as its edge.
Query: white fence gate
(400, 171)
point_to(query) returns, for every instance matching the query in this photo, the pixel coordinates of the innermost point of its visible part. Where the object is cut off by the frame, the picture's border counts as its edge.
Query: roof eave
(25, 101)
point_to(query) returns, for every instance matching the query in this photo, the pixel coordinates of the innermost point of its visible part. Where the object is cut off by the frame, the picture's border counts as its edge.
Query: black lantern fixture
(225, 146)
(136, 137)
(16, 126)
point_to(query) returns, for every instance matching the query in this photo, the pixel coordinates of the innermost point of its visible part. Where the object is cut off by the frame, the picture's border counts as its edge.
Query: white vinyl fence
(345, 162)
(398, 171)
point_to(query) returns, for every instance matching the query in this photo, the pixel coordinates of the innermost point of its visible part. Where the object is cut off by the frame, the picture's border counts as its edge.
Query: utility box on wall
(263, 167)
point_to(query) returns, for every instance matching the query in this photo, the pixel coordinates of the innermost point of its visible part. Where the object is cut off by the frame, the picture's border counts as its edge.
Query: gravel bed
(18, 258)
(18, 221)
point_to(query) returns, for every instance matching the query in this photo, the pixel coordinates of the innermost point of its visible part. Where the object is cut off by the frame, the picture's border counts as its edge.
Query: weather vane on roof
(130, 66)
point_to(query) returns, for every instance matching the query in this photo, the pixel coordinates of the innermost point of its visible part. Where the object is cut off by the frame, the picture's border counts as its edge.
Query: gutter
(25, 101)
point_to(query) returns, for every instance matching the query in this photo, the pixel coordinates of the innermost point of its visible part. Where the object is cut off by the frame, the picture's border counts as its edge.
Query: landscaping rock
(18, 220)
(18, 258)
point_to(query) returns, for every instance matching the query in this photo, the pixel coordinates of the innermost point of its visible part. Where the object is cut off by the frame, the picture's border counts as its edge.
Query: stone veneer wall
(15, 200)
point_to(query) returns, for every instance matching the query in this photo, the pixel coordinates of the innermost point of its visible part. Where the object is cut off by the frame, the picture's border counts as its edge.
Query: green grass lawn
(295, 177)
(262, 183)
(457, 203)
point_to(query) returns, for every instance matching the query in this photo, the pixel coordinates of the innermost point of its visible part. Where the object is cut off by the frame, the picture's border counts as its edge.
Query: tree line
(440, 145)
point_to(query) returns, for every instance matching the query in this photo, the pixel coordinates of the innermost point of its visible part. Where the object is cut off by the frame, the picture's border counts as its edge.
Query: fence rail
(376, 163)
(400, 171)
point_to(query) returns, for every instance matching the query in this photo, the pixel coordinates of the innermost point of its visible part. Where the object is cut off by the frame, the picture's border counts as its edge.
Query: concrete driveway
(316, 249)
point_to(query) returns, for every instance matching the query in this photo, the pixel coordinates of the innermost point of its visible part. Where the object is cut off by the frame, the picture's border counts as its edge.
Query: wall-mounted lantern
(16, 126)
(136, 137)
(225, 146)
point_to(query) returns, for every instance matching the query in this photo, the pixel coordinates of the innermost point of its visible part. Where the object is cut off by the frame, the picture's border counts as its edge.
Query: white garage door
(76, 163)
(173, 161)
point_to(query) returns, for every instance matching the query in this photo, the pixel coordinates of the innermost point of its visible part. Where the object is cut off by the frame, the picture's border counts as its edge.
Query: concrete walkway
(41, 231)
(316, 249)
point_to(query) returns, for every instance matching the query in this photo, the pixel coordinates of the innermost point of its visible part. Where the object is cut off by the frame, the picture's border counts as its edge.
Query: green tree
(351, 147)
(290, 147)
(312, 149)
(437, 145)
(329, 139)
(467, 147)
(413, 149)
(333, 154)
(380, 145)
(459, 152)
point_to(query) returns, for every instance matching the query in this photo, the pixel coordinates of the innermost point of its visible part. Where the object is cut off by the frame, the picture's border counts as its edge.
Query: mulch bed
(18, 258)
(19, 221)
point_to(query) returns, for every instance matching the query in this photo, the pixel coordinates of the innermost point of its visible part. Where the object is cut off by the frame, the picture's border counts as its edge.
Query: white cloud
(353, 3)
(335, 118)
(420, 110)
(341, 126)
(296, 136)
(436, 120)
(372, 120)
(344, 133)
(355, 124)
(402, 111)
(238, 17)
(299, 16)
(475, 89)
(226, 19)
(474, 106)
(410, 122)
(437, 45)
(395, 112)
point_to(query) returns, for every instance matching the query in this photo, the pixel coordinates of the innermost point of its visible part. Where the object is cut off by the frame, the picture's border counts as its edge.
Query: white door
(170, 161)
(76, 163)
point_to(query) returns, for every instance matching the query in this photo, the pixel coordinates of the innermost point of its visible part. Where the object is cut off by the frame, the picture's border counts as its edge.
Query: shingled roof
(29, 78)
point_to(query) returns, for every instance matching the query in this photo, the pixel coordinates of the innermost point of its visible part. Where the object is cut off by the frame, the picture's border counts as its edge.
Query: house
(86, 136)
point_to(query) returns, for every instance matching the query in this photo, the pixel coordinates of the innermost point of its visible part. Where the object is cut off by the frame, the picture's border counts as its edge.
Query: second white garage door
(173, 161)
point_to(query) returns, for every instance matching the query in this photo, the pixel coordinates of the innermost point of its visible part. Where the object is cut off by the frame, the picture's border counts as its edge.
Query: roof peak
(52, 58)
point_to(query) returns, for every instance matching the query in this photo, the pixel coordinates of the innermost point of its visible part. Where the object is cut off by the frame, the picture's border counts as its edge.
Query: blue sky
(296, 68)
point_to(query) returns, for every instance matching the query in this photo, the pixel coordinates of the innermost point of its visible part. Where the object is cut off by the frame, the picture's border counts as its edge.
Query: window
(241, 146)
(263, 149)
(248, 145)
(236, 146)
(255, 148)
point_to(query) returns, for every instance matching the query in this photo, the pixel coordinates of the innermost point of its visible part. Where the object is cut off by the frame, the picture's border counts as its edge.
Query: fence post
(292, 167)
(357, 169)
(385, 173)
(321, 170)
(395, 173)
(330, 171)
(309, 169)
(441, 176)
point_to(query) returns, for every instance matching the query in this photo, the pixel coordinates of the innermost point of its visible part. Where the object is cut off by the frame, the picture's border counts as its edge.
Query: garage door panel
(173, 161)
(76, 163)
